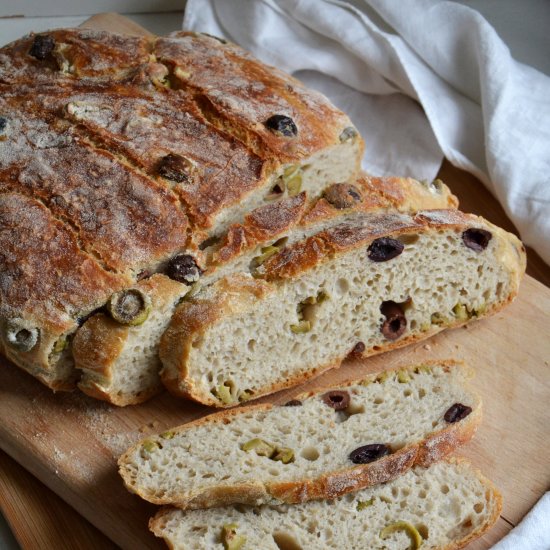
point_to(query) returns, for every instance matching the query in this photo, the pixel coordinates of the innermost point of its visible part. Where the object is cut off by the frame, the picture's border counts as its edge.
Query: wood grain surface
(70, 442)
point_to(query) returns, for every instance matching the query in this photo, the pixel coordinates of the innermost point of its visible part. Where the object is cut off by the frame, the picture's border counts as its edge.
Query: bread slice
(120, 363)
(117, 367)
(268, 454)
(122, 156)
(371, 283)
(443, 507)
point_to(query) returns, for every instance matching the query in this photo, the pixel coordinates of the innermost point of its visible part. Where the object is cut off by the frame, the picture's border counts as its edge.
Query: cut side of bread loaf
(133, 161)
(372, 283)
(321, 445)
(443, 507)
(111, 355)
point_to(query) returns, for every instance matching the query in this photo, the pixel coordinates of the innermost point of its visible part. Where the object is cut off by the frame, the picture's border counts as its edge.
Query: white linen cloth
(533, 533)
(378, 60)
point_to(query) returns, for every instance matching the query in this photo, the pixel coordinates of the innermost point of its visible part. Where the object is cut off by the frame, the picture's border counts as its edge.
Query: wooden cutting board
(71, 442)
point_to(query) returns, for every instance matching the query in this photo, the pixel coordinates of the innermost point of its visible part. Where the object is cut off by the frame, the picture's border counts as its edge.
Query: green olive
(168, 435)
(294, 185)
(230, 539)
(20, 336)
(61, 344)
(284, 455)
(129, 307)
(403, 376)
(348, 134)
(150, 446)
(260, 447)
(362, 504)
(301, 327)
(224, 394)
(460, 312)
(438, 319)
(408, 528)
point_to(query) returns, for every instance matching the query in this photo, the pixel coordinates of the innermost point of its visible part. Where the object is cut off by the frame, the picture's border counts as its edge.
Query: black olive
(3, 123)
(395, 324)
(42, 46)
(176, 168)
(281, 125)
(476, 239)
(183, 268)
(384, 249)
(369, 453)
(457, 412)
(342, 195)
(337, 400)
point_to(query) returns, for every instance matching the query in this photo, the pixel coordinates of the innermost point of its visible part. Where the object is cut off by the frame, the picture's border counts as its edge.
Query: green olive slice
(410, 530)
(129, 307)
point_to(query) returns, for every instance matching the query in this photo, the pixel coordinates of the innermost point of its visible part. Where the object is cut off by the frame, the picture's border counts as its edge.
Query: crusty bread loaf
(314, 447)
(371, 283)
(128, 155)
(112, 356)
(443, 507)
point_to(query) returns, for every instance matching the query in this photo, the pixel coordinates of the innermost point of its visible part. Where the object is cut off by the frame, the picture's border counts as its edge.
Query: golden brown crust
(239, 94)
(82, 53)
(436, 446)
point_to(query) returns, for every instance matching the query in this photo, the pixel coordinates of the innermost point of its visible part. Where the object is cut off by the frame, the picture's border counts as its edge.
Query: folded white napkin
(377, 60)
(533, 533)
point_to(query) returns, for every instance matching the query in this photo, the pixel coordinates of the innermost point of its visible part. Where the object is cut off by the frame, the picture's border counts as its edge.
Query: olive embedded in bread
(176, 168)
(396, 323)
(183, 268)
(369, 453)
(20, 336)
(42, 46)
(477, 239)
(384, 249)
(342, 195)
(282, 125)
(129, 307)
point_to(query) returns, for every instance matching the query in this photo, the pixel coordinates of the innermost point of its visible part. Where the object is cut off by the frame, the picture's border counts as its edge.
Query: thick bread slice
(111, 355)
(117, 149)
(315, 301)
(448, 504)
(204, 463)
(120, 363)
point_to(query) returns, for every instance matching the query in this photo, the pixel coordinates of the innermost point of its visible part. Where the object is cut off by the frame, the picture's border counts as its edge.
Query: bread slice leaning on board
(120, 363)
(122, 157)
(443, 507)
(368, 283)
(320, 445)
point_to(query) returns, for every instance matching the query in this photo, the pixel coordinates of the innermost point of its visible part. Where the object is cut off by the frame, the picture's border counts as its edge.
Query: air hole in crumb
(421, 393)
(422, 494)
(445, 489)
(479, 507)
(378, 401)
(407, 393)
(408, 239)
(310, 453)
(251, 345)
(342, 286)
(285, 541)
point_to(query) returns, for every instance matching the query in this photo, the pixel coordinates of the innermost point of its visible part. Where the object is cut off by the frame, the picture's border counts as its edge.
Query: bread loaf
(370, 283)
(443, 507)
(127, 153)
(321, 445)
(111, 356)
